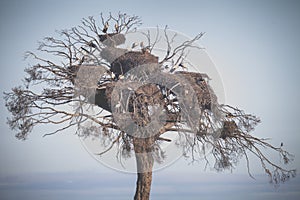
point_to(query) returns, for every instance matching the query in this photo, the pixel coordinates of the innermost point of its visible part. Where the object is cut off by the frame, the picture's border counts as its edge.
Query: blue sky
(255, 47)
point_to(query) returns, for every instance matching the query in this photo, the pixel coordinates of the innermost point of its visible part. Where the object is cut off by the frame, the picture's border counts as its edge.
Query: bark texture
(144, 161)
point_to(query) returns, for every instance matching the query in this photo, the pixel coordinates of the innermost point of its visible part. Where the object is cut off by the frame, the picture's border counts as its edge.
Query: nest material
(103, 96)
(205, 95)
(121, 62)
(229, 127)
(112, 39)
(139, 104)
(72, 71)
(151, 94)
(130, 60)
(139, 100)
(112, 53)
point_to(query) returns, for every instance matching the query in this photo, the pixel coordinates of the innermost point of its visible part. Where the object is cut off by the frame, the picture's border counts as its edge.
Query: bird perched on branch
(182, 66)
(105, 28)
(117, 27)
(142, 45)
(81, 60)
(91, 44)
(174, 68)
(135, 44)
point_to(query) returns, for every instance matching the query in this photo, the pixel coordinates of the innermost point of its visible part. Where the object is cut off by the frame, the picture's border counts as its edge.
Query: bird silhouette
(81, 60)
(105, 28)
(135, 44)
(91, 44)
(182, 66)
(174, 68)
(117, 27)
(142, 45)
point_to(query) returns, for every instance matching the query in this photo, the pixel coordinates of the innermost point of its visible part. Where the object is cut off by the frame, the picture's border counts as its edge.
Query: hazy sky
(255, 46)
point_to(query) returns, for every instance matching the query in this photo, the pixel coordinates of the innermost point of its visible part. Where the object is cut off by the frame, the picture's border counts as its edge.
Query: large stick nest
(130, 60)
(140, 101)
(205, 95)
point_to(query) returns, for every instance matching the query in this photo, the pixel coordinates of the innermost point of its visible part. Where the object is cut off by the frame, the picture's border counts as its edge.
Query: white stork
(105, 28)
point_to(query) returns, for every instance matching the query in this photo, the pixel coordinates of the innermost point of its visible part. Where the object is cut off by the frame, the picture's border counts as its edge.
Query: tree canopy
(130, 97)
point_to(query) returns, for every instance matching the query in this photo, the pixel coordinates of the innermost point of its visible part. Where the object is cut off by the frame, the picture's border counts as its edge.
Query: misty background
(255, 47)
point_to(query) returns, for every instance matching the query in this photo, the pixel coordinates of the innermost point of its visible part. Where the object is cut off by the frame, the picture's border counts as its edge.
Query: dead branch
(49, 97)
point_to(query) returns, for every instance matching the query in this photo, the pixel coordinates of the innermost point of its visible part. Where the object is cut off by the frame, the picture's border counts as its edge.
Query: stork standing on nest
(174, 68)
(142, 45)
(135, 44)
(182, 66)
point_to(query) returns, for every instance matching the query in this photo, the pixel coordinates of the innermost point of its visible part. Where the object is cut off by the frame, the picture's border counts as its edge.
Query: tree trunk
(144, 161)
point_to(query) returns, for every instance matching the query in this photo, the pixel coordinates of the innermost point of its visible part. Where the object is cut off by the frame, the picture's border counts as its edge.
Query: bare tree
(86, 66)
